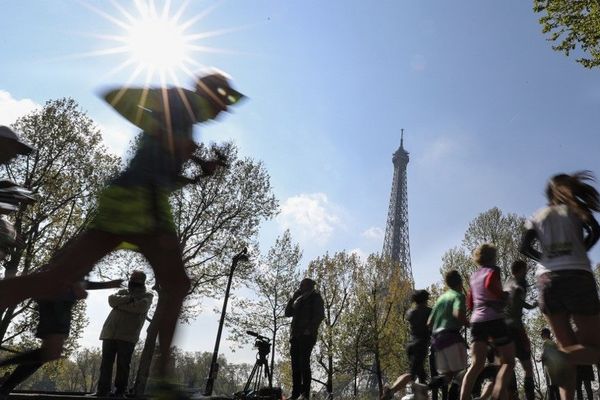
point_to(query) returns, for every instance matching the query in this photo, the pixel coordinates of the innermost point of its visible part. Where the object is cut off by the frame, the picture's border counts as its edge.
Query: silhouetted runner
(134, 210)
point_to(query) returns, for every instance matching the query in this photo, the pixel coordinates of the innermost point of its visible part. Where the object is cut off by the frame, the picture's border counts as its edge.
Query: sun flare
(157, 43)
(155, 40)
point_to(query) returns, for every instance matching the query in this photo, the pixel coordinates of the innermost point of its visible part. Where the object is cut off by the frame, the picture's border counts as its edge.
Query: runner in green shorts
(134, 209)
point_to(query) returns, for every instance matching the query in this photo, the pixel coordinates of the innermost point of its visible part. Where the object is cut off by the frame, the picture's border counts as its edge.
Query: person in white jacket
(121, 332)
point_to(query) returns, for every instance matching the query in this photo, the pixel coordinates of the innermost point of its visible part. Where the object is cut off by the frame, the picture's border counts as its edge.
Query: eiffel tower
(396, 243)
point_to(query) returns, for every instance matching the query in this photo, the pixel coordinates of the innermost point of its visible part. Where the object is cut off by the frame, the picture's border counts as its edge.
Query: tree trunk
(356, 366)
(376, 347)
(272, 372)
(330, 374)
(378, 368)
(143, 371)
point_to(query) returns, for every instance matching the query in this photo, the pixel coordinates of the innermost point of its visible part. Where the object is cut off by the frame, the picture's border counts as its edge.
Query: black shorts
(585, 373)
(54, 317)
(494, 331)
(571, 292)
(518, 334)
(417, 350)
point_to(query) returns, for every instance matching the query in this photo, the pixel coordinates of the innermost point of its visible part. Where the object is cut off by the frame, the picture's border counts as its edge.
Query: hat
(146, 107)
(138, 276)
(216, 86)
(8, 136)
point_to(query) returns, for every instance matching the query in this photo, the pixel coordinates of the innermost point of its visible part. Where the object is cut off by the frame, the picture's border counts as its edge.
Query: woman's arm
(527, 245)
(593, 233)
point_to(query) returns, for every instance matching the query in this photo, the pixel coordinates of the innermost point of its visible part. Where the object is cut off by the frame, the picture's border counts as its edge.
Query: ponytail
(573, 191)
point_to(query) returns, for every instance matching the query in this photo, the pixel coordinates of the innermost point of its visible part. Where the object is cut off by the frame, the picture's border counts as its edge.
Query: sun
(156, 42)
(155, 39)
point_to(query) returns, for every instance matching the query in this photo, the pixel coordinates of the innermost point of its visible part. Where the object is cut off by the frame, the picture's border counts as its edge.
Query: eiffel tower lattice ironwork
(395, 243)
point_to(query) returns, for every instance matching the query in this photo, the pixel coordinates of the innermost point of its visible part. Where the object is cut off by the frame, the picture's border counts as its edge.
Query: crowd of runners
(557, 237)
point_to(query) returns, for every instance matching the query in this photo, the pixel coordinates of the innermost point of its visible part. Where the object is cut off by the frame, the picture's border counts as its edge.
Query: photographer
(307, 311)
(12, 195)
(121, 332)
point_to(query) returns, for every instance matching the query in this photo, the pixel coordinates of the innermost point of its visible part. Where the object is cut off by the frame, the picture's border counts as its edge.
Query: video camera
(262, 343)
(254, 388)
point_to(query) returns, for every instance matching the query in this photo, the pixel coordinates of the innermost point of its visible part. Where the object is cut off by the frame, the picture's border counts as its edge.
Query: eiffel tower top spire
(396, 242)
(402, 138)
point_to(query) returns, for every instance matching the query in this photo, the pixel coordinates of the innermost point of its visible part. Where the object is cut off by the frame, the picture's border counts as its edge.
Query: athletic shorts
(133, 210)
(571, 292)
(518, 334)
(494, 331)
(54, 317)
(451, 359)
(585, 373)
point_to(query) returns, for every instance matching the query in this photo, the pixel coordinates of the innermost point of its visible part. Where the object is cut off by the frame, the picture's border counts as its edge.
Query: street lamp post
(214, 366)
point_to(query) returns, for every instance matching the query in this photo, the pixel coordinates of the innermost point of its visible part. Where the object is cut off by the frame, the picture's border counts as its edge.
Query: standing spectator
(307, 311)
(416, 350)
(516, 287)
(121, 332)
(10, 147)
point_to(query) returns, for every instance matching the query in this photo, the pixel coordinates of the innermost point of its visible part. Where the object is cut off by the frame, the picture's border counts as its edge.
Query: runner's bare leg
(164, 255)
(66, 267)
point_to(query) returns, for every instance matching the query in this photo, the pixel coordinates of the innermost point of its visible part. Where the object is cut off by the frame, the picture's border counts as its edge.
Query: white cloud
(360, 253)
(445, 146)
(117, 136)
(11, 108)
(310, 215)
(374, 233)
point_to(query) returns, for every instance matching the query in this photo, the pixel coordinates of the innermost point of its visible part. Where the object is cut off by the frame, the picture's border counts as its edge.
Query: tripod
(253, 389)
(261, 366)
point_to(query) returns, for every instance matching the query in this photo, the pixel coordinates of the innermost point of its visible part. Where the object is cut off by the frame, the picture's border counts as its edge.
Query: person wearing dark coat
(307, 311)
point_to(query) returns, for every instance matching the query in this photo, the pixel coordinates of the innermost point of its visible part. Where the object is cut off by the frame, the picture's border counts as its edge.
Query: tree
(214, 219)
(192, 367)
(459, 259)
(272, 284)
(491, 226)
(79, 373)
(382, 298)
(334, 277)
(69, 167)
(88, 362)
(574, 25)
(352, 362)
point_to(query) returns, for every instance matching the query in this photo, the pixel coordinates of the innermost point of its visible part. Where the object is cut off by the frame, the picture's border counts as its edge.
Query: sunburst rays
(156, 40)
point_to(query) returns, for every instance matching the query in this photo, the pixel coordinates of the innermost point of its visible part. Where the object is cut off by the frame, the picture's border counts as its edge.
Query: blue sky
(490, 111)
